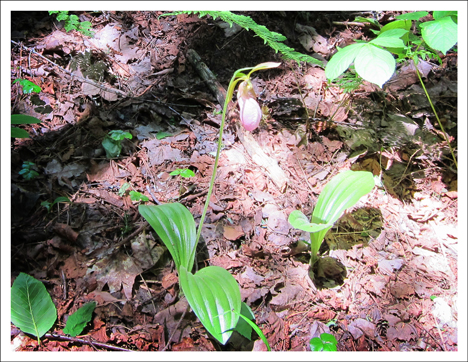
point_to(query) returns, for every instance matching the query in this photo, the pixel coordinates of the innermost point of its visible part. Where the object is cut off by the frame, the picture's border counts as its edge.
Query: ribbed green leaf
(375, 64)
(298, 220)
(78, 320)
(340, 193)
(441, 34)
(175, 225)
(213, 295)
(32, 309)
(19, 133)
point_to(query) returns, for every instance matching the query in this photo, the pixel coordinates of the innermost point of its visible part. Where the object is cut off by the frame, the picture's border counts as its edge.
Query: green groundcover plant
(72, 22)
(212, 292)
(112, 143)
(34, 313)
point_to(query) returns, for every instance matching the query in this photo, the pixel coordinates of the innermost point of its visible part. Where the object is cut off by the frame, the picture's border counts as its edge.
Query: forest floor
(397, 248)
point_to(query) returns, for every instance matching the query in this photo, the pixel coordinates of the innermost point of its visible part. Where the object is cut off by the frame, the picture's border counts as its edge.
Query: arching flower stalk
(250, 116)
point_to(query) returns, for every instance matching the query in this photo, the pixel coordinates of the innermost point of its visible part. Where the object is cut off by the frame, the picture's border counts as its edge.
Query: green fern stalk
(272, 39)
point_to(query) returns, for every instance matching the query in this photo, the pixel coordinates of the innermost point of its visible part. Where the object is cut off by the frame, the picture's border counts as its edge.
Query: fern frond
(272, 39)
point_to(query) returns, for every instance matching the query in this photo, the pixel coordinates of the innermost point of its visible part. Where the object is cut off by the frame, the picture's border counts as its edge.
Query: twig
(175, 329)
(207, 76)
(89, 343)
(111, 90)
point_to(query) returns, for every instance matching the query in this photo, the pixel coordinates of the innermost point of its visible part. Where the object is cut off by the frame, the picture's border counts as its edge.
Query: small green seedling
(340, 193)
(123, 189)
(21, 119)
(112, 143)
(78, 320)
(138, 196)
(28, 86)
(72, 22)
(48, 205)
(28, 170)
(325, 343)
(184, 172)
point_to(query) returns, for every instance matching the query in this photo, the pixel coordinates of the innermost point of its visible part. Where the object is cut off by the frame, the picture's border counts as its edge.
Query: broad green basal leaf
(340, 193)
(175, 225)
(213, 295)
(32, 309)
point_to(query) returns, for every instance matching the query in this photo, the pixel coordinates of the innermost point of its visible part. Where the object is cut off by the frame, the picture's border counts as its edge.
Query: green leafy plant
(123, 189)
(138, 196)
(326, 343)
(340, 193)
(32, 309)
(28, 170)
(374, 60)
(272, 39)
(48, 205)
(376, 64)
(212, 292)
(72, 22)
(112, 143)
(78, 320)
(22, 119)
(28, 86)
(184, 172)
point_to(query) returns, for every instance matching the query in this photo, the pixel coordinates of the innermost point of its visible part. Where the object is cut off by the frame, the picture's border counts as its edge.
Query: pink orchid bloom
(250, 111)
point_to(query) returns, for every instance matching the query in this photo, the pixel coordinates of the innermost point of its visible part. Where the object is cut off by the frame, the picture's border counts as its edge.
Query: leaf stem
(435, 113)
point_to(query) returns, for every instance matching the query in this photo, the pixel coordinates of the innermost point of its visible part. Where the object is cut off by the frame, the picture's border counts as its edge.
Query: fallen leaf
(118, 271)
(233, 232)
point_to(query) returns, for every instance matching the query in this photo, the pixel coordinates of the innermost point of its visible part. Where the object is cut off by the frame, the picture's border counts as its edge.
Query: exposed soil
(384, 259)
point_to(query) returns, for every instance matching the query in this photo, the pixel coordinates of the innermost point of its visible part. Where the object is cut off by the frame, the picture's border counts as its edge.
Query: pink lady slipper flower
(250, 111)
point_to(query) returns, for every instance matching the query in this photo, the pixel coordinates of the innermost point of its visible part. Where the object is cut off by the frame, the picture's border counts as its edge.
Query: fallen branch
(84, 341)
(73, 75)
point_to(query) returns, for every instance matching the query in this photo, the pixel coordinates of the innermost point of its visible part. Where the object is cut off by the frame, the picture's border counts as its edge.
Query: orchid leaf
(298, 220)
(340, 193)
(175, 225)
(214, 296)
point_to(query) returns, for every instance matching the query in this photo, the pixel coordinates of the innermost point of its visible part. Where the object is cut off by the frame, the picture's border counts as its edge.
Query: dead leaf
(118, 271)
(233, 232)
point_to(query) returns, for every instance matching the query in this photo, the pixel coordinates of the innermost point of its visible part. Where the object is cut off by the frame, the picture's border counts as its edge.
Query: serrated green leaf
(340, 193)
(175, 225)
(342, 60)
(441, 34)
(32, 309)
(214, 296)
(374, 64)
(78, 320)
